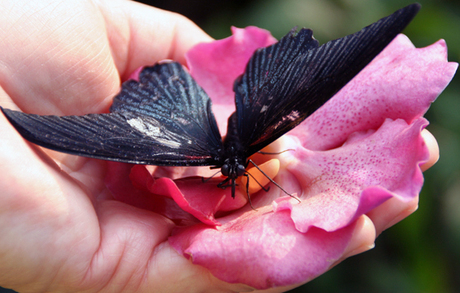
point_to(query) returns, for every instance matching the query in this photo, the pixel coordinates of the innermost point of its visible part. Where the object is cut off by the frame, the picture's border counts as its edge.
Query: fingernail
(404, 214)
(361, 249)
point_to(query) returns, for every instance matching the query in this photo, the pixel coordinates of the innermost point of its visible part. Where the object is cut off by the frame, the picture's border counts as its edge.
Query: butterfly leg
(266, 189)
(204, 180)
(223, 183)
(247, 189)
(273, 181)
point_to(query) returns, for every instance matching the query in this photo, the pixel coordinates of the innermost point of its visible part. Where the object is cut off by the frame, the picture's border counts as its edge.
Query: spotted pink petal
(338, 185)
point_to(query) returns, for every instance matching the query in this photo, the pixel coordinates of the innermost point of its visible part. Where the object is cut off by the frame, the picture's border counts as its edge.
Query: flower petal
(128, 184)
(216, 65)
(341, 184)
(262, 249)
(201, 199)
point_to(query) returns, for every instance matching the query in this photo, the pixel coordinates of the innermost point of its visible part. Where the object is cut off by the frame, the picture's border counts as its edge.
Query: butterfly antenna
(204, 180)
(273, 181)
(277, 153)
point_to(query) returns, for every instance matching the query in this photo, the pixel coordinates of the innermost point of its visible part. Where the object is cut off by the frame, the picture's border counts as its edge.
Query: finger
(56, 58)
(391, 212)
(433, 148)
(363, 237)
(141, 35)
(172, 272)
(57, 72)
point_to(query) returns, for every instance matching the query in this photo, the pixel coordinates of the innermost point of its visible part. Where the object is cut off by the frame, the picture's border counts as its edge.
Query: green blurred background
(421, 253)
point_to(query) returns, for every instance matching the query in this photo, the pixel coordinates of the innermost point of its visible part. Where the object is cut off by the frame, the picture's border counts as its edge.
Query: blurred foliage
(421, 253)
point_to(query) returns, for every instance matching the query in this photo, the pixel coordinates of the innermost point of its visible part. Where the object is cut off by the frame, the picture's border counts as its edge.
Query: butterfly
(165, 118)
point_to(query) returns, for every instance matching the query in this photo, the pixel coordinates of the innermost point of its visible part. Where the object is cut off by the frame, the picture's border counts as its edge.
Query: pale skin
(59, 229)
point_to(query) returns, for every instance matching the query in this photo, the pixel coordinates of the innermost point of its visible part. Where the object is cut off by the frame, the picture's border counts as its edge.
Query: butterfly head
(233, 168)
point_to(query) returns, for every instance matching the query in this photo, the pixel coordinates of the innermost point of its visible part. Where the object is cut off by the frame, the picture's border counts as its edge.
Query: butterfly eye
(225, 169)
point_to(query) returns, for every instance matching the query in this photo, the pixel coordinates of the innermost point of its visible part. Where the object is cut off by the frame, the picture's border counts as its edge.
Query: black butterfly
(165, 118)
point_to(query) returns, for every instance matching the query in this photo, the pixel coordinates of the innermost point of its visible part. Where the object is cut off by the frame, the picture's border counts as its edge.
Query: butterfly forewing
(269, 105)
(164, 119)
(267, 63)
(169, 94)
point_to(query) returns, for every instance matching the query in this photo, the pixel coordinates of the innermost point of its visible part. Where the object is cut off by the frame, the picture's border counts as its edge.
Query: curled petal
(201, 199)
(341, 184)
(128, 184)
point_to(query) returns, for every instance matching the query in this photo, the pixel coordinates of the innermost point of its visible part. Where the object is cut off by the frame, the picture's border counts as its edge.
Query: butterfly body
(234, 157)
(165, 118)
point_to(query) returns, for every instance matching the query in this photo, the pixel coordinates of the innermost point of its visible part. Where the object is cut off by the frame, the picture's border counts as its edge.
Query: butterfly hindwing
(271, 99)
(164, 119)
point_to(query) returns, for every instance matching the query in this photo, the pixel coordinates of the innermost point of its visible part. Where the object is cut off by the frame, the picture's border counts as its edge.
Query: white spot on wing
(148, 128)
(294, 115)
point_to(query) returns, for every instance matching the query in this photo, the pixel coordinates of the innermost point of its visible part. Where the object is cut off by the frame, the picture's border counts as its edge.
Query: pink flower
(357, 151)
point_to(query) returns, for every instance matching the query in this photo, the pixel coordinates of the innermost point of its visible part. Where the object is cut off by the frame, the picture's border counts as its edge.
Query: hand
(60, 229)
